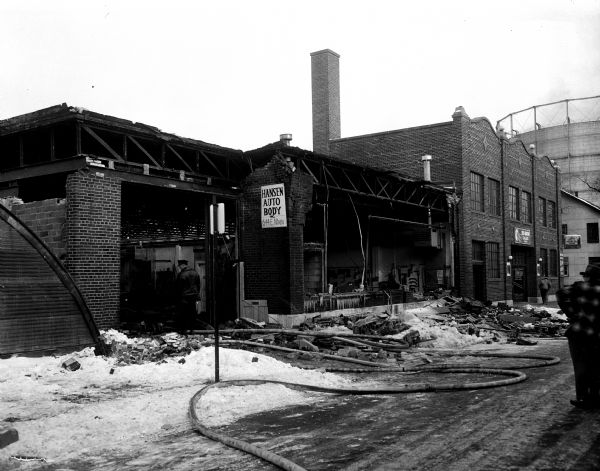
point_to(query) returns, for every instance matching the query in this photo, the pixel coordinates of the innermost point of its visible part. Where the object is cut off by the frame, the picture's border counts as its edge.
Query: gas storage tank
(568, 132)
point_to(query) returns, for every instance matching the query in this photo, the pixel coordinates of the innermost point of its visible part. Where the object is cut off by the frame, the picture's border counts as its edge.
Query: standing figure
(581, 304)
(187, 285)
(544, 287)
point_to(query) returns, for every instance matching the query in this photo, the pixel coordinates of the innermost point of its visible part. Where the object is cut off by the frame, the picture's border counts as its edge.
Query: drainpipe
(558, 220)
(533, 203)
(502, 137)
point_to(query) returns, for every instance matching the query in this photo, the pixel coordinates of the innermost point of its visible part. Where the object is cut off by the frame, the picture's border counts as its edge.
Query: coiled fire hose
(285, 464)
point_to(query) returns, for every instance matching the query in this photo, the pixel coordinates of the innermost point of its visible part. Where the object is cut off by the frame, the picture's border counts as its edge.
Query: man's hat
(593, 271)
(182, 262)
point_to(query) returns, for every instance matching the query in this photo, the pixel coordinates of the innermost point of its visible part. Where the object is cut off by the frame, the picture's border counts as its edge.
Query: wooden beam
(47, 168)
(212, 163)
(103, 143)
(180, 158)
(144, 151)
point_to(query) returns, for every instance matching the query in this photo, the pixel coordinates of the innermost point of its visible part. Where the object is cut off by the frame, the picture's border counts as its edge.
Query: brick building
(507, 222)
(120, 202)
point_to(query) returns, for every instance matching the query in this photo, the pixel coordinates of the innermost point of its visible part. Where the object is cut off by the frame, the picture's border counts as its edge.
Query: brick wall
(93, 241)
(47, 219)
(402, 150)
(458, 148)
(273, 258)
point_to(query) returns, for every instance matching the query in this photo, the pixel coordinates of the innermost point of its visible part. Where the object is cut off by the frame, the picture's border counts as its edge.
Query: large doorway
(522, 272)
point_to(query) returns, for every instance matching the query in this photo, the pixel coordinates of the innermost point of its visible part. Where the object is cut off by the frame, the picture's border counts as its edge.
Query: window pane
(542, 212)
(592, 233)
(551, 214)
(565, 266)
(476, 192)
(564, 229)
(513, 202)
(525, 206)
(493, 260)
(494, 197)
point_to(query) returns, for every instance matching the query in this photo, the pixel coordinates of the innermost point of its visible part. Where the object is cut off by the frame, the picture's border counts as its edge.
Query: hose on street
(511, 377)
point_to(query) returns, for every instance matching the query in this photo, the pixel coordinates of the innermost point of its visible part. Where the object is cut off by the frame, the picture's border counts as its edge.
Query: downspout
(534, 200)
(558, 220)
(502, 197)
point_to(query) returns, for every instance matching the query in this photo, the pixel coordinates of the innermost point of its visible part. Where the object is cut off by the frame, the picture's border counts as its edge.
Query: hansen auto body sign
(272, 207)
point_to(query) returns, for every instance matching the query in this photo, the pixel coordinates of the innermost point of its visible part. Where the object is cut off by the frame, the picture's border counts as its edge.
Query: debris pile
(138, 350)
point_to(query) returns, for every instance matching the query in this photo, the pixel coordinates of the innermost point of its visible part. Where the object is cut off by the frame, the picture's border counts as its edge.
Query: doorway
(522, 271)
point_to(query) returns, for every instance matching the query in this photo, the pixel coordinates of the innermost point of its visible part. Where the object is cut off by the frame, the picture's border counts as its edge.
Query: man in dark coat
(544, 287)
(187, 285)
(581, 304)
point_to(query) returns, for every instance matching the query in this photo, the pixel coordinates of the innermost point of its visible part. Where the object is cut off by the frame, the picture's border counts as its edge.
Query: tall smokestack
(325, 81)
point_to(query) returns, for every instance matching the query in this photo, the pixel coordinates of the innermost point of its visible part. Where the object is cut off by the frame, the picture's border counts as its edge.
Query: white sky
(237, 73)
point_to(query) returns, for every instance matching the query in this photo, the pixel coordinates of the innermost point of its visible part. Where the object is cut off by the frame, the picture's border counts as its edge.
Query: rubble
(137, 350)
(375, 337)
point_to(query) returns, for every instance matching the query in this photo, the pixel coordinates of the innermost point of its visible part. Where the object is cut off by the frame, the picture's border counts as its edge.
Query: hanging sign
(272, 207)
(522, 236)
(572, 241)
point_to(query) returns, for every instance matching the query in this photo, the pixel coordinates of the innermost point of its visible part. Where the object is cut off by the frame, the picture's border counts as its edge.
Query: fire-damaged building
(119, 203)
(506, 215)
(381, 219)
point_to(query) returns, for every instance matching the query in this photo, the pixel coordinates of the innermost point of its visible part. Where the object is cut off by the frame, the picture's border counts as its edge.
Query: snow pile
(67, 414)
(555, 312)
(443, 336)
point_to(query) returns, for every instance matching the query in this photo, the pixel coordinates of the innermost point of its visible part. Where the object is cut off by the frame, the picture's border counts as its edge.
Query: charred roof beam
(359, 181)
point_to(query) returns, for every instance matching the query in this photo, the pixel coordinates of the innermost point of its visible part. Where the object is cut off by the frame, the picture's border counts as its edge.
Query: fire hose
(512, 375)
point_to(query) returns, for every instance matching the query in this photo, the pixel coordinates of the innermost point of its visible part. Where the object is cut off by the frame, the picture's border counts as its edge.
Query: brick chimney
(325, 81)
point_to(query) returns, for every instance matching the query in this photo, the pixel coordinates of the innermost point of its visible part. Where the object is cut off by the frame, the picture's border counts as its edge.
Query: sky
(237, 73)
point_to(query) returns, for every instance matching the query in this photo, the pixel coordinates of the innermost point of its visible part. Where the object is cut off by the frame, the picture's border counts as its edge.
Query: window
(553, 268)
(564, 230)
(513, 202)
(477, 192)
(493, 259)
(542, 215)
(494, 197)
(544, 262)
(551, 214)
(592, 233)
(525, 206)
(565, 266)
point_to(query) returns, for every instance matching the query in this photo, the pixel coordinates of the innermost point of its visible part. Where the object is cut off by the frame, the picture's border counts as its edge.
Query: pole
(212, 300)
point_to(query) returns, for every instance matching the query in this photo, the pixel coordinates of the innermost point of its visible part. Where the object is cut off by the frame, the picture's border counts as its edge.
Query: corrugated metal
(37, 310)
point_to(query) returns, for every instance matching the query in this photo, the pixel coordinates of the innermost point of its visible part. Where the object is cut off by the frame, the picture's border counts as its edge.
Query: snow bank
(66, 414)
(444, 336)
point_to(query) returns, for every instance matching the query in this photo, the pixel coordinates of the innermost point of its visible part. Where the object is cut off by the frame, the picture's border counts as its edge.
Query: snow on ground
(63, 414)
(443, 335)
(60, 413)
